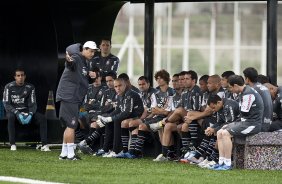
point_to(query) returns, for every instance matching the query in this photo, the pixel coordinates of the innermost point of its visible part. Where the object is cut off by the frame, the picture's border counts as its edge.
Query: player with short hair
(251, 110)
(251, 78)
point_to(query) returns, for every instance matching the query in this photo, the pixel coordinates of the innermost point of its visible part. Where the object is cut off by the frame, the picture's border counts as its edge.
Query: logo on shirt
(73, 121)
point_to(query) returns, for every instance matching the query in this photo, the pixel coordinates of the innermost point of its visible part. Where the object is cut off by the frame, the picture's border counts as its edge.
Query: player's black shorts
(69, 114)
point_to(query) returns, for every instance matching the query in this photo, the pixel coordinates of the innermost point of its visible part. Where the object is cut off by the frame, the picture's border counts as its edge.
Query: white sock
(70, 147)
(64, 152)
(227, 161)
(221, 160)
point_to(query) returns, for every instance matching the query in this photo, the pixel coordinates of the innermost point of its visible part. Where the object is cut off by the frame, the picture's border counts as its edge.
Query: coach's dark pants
(117, 146)
(37, 118)
(109, 134)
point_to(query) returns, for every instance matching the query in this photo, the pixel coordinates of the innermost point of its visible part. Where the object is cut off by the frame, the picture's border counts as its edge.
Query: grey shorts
(69, 114)
(242, 129)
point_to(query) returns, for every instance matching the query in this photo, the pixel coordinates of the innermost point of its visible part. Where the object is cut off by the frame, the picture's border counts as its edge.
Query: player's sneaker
(111, 154)
(13, 147)
(130, 155)
(75, 157)
(85, 149)
(160, 158)
(204, 162)
(100, 152)
(156, 126)
(209, 165)
(62, 157)
(223, 168)
(120, 155)
(45, 148)
(82, 143)
(215, 166)
(195, 160)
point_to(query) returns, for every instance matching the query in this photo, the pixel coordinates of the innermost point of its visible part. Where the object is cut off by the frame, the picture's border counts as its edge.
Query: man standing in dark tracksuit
(71, 91)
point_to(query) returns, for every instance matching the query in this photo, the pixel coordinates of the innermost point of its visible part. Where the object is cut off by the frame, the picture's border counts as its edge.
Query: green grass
(29, 163)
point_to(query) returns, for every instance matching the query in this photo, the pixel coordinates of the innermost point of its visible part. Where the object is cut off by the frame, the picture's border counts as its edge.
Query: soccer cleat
(160, 158)
(45, 148)
(85, 149)
(156, 126)
(223, 168)
(75, 157)
(13, 147)
(100, 152)
(62, 157)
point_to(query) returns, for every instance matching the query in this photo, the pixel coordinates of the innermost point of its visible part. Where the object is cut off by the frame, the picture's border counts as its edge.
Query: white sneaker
(156, 126)
(82, 143)
(112, 154)
(45, 148)
(13, 147)
(203, 163)
(160, 158)
(210, 164)
(195, 160)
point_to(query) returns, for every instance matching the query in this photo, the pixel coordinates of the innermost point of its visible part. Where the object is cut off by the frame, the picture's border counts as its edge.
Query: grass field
(33, 164)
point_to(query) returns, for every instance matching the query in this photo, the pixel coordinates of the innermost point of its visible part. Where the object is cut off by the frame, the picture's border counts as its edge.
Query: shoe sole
(184, 161)
(62, 158)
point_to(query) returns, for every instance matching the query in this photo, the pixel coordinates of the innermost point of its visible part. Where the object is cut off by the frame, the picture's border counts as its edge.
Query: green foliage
(33, 164)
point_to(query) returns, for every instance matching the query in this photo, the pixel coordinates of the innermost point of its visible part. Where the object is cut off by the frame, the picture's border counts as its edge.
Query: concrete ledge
(265, 138)
(260, 151)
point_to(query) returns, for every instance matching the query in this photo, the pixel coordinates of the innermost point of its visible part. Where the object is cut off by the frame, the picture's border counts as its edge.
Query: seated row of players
(200, 114)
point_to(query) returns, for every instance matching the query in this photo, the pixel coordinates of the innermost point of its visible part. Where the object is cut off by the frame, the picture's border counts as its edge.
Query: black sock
(165, 150)
(202, 149)
(193, 129)
(79, 134)
(91, 131)
(185, 139)
(94, 136)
